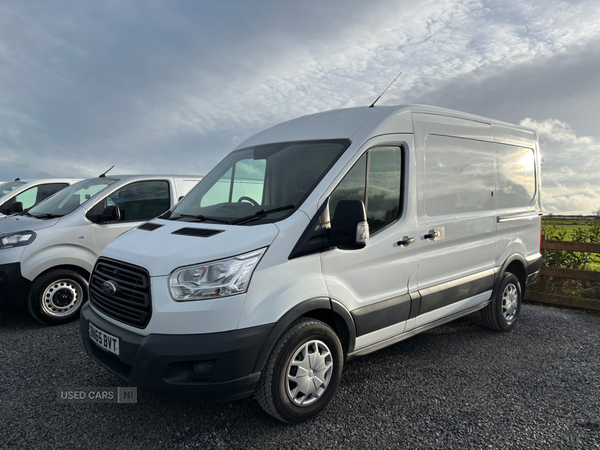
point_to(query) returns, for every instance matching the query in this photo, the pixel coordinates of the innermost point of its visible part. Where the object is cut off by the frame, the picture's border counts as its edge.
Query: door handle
(432, 235)
(406, 240)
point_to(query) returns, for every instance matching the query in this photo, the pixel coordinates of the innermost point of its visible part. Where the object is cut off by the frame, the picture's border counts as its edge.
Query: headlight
(214, 279)
(17, 239)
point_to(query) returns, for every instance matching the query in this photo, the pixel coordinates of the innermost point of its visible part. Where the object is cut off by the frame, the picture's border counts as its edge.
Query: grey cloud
(172, 86)
(565, 86)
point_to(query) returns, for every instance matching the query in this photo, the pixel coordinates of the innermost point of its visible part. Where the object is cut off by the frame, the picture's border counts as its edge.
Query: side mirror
(110, 213)
(17, 207)
(349, 228)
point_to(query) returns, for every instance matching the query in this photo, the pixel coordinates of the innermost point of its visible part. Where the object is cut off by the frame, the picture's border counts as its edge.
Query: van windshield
(260, 184)
(7, 188)
(70, 198)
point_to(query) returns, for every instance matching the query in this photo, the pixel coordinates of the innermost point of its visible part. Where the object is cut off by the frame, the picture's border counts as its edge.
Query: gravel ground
(458, 386)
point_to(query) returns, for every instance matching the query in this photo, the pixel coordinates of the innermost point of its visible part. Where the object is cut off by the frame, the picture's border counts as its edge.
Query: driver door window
(137, 202)
(375, 180)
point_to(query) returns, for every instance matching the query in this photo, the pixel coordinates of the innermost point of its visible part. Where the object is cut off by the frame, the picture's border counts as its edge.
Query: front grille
(197, 232)
(130, 303)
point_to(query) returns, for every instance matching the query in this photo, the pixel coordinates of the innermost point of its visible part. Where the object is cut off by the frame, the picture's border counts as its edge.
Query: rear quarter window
(516, 176)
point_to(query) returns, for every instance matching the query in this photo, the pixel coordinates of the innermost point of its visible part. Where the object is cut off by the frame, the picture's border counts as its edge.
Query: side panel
(457, 221)
(182, 186)
(60, 245)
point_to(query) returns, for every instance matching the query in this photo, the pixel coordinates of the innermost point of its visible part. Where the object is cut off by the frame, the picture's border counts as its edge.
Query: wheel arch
(80, 270)
(517, 265)
(58, 256)
(324, 309)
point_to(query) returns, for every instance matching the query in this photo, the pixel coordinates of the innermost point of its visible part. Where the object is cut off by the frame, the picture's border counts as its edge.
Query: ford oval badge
(109, 288)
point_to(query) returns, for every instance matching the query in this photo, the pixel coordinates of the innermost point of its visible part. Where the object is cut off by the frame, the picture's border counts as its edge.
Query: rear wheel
(302, 373)
(56, 297)
(505, 305)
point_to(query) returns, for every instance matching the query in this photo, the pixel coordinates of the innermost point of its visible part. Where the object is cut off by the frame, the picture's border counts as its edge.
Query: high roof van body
(316, 241)
(47, 253)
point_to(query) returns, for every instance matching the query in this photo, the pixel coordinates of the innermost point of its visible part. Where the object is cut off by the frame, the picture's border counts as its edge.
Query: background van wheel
(56, 297)
(302, 372)
(505, 305)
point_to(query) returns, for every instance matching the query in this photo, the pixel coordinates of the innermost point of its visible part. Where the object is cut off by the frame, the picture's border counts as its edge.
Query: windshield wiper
(46, 216)
(260, 214)
(201, 218)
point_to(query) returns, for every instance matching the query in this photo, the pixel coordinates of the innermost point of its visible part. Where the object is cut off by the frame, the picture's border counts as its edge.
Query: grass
(569, 225)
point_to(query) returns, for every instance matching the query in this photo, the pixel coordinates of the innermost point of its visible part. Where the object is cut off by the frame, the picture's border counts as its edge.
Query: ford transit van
(316, 241)
(22, 195)
(47, 254)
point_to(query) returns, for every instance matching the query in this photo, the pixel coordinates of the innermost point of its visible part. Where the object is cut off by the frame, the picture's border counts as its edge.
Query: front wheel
(505, 305)
(56, 297)
(302, 373)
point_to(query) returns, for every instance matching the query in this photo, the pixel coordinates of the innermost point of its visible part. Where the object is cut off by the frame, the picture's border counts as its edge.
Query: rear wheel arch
(517, 265)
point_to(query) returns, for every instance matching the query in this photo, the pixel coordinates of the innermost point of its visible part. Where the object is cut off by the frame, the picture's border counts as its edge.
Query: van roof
(151, 175)
(347, 123)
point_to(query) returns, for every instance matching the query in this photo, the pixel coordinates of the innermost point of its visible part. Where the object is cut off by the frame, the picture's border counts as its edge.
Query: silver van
(47, 253)
(316, 241)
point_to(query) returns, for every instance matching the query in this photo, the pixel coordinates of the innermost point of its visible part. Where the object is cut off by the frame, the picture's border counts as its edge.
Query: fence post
(543, 252)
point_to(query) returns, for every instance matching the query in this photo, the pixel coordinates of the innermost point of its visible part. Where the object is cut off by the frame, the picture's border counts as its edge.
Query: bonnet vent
(197, 232)
(149, 226)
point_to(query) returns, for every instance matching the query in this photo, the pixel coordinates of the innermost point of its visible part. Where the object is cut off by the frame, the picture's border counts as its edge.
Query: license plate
(104, 340)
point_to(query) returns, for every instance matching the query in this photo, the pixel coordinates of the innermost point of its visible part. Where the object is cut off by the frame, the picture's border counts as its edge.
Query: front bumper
(13, 287)
(162, 363)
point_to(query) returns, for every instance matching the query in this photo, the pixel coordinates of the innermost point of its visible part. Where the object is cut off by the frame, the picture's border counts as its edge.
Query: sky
(173, 86)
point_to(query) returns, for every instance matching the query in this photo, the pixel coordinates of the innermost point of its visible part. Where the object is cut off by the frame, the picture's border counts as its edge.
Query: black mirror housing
(110, 214)
(17, 207)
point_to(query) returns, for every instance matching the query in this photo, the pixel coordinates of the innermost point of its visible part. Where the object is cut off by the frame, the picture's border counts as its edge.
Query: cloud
(554, 130)
(570, 181)
(171, 87)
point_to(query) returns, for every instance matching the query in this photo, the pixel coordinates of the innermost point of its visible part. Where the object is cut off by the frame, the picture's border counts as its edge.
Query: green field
(580, 229)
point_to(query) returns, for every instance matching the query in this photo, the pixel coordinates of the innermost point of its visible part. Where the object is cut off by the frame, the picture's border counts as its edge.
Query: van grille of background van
(130, 303)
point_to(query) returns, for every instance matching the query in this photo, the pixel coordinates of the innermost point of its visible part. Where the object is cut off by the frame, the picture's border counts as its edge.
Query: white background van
(47, 254)
(22, 195)
(318, 240)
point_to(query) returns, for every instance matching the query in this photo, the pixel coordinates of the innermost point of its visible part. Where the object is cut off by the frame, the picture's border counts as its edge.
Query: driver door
(138, 202)
(373, 282)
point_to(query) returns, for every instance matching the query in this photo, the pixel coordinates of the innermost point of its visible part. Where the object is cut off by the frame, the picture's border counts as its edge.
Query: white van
(318, 240)
(22, 195)
(47, 254)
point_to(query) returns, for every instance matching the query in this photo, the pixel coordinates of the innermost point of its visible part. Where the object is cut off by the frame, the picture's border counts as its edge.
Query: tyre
(505, 305)
(302, 372)
(56, 297)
